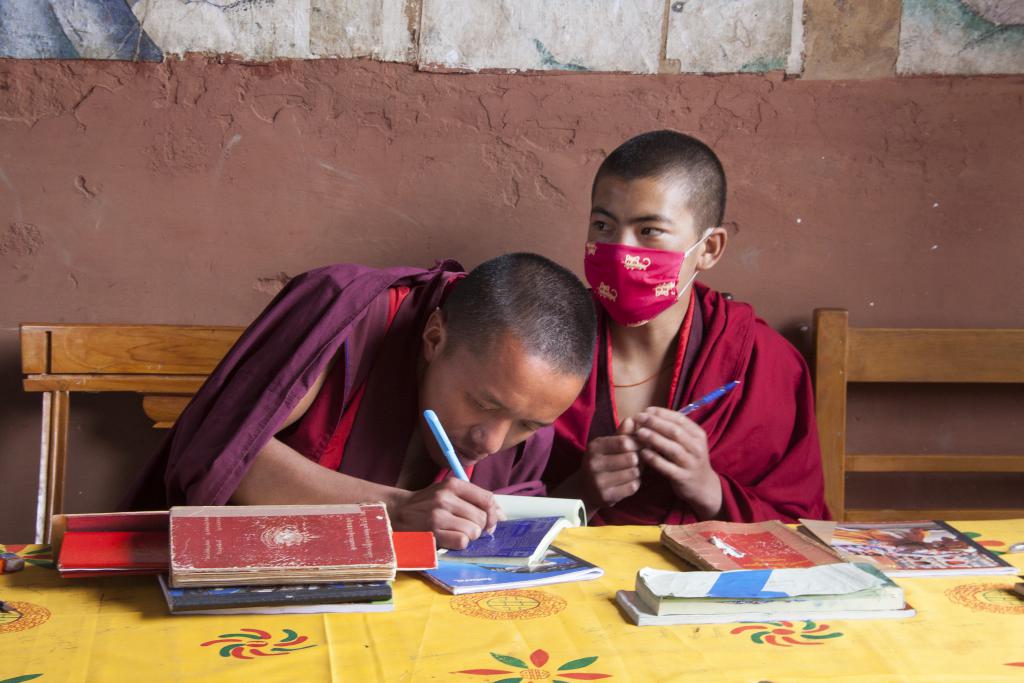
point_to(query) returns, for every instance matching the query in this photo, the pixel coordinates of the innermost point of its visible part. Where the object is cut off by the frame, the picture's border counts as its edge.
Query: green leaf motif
(509, 680)
(511, 661)
(830, 635)
(292, 635)
(239, 635)
(577, 663)
(226, 650)
(21, 679)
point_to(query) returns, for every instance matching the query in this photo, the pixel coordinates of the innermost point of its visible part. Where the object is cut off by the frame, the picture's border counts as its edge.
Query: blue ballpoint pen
(445, 444)
(713, 396)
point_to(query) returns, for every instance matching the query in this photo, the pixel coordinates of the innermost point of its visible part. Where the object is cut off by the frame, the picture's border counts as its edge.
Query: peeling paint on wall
(542, 34)
(731, 36)
(961, 37)
(21, 239)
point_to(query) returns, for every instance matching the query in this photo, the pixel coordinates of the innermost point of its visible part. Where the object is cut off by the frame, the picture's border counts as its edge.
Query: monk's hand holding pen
(456, 511)
(611, 468)
(676, 447)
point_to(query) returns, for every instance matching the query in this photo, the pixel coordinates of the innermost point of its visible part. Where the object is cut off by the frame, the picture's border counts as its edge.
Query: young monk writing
(321, 399)
(664, 341)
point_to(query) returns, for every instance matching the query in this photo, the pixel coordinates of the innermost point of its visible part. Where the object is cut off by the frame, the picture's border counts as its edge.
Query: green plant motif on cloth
(536, 669)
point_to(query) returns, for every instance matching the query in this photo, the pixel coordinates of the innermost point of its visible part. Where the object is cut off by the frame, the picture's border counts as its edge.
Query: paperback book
(727, 546)
(927, 548)
(520, 542)
(557, 566)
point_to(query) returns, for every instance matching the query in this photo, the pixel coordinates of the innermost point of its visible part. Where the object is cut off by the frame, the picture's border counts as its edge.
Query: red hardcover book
(87, 552)
(121, 543)
(415, 550)
(726, 546)
(280, 544)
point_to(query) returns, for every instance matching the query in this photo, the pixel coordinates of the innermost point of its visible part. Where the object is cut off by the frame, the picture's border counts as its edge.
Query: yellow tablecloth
(96, 630)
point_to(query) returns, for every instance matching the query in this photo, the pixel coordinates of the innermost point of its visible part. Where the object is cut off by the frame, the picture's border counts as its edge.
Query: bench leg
(52, 459)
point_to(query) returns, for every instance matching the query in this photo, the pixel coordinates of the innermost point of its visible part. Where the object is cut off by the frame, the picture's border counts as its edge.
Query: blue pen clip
(445, 444)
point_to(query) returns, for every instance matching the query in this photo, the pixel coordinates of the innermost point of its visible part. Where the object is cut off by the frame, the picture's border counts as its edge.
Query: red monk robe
(762, 437)
(370, 322)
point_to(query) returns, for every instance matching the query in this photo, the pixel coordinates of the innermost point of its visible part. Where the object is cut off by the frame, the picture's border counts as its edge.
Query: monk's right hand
(611, 468)
(456, 511)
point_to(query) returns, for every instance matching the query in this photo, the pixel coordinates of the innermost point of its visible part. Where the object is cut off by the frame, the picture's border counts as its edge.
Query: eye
(599, 226)
(651, 232)
(480, 405)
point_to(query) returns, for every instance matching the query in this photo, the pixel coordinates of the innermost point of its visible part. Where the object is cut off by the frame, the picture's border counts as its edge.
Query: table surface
(968, 628)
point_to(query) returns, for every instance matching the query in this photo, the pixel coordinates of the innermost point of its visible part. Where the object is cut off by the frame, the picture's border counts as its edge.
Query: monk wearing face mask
(665, 340)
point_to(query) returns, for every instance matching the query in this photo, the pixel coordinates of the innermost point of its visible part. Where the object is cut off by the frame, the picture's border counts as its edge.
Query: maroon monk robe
(762, 437)
(338, 312)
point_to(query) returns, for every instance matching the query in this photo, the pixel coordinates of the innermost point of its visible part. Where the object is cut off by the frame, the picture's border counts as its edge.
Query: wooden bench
(165, 364)
(847, 354)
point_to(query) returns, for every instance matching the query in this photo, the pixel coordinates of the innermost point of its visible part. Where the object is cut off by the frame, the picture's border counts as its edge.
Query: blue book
(557, 566)
(314, 598)
(513, 542)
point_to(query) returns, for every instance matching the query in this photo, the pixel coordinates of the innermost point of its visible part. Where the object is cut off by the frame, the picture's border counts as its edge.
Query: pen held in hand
(710, 398)
(445, 444)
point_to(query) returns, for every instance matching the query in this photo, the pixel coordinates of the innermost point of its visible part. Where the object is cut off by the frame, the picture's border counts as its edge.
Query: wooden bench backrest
(165, 364)
(847, 355)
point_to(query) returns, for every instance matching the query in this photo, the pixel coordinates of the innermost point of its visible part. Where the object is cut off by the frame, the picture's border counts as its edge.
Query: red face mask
(636, 284)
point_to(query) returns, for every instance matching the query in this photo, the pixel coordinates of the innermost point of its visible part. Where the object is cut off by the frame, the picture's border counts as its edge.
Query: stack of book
(828, 591)
(757, 572)
(251, 559)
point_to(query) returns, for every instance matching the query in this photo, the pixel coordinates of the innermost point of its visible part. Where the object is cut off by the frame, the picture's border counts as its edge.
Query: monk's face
(488, 399)
(654, 213)
(644, 212)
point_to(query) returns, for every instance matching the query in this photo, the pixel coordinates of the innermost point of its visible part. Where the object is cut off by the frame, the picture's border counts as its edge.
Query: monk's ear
(714, 248)
(435, 334)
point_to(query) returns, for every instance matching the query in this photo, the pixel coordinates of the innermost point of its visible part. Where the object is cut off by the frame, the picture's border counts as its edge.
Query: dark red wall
(184, 192)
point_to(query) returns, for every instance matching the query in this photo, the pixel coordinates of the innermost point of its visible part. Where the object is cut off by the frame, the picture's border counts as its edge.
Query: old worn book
(521, 542)
(928, 548)
(637, 613)
(311, 598)
(726, 546)
(808, 590)
(280, 544)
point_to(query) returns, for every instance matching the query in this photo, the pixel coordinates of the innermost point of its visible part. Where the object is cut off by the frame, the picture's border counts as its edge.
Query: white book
(525, 507)
(637, 613)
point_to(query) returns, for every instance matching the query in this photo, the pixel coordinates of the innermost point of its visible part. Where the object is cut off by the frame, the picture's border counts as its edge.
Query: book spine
(225, 600)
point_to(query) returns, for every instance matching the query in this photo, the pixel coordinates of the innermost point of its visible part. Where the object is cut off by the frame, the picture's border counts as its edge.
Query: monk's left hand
(677, 447)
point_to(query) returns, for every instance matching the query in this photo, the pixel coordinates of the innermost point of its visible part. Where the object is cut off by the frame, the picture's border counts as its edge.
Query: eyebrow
(649, 218)
(488, 398)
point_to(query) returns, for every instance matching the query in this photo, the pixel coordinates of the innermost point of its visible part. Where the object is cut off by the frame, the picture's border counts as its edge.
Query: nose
(489, 437)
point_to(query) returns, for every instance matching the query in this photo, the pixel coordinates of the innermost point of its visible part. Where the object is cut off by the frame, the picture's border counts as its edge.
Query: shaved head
(674, 157)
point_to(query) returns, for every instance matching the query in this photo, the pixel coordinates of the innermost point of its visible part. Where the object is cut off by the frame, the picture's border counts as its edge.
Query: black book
(313, 598)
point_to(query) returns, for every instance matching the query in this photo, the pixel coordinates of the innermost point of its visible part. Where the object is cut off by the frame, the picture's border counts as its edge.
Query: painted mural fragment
(563, 35)
(70, 29)
(961, 37)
